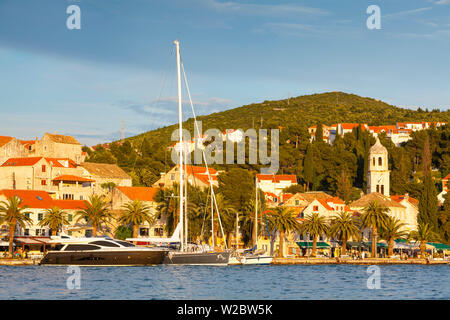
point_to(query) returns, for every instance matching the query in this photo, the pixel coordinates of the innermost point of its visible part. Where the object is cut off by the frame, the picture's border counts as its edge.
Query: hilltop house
(275, 183)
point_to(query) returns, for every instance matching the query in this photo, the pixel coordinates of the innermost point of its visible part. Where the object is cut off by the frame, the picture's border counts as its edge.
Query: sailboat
(252, 256)
(187, 254)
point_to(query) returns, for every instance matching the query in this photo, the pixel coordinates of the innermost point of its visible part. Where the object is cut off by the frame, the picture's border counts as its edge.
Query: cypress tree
(308, 166)
(319, 133)
(428, 202)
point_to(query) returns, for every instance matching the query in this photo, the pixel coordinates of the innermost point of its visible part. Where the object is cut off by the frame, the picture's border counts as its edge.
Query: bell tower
(378, 170)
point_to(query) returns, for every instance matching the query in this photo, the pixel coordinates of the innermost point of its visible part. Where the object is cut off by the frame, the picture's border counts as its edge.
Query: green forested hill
(146, 155)
(304, 111)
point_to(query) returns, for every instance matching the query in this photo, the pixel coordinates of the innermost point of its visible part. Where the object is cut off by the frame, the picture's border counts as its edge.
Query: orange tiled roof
(30, 161)
(41, 199)
(68, 177)
(4, 140)
(277, 177)
(21, 162)
(399, 198)
(348, 126)
(447, 177)
(335, 200)
(325, 204)
(139, 193)
(27, 141)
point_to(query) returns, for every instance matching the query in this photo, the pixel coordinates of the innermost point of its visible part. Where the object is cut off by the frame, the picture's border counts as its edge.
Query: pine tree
(428, 202)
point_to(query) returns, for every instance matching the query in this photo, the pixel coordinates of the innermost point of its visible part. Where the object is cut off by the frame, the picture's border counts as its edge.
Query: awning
(379, 244)
(31, 240)
(4, 243)
(309, 244)
(439, 246)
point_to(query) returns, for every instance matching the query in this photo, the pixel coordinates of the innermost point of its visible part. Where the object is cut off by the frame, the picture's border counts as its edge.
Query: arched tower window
(380, 161)
(373, 161)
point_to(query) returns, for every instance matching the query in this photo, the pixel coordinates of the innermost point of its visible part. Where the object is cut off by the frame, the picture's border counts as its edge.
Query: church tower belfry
(378, 170)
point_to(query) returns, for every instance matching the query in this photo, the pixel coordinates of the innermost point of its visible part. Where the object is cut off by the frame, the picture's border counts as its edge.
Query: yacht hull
(105, 258)
(197, 258)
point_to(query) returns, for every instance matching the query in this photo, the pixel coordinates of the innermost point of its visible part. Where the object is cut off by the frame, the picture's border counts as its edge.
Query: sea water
(233, 282)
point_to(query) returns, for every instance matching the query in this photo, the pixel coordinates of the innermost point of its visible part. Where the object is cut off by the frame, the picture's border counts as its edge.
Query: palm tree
(13, 212)
(282, 220)
(391, 231)
(136, 213)
(315, 225)
(54, 218)
(424, 234)
(344, 227)
(374, 216)
(95, 212)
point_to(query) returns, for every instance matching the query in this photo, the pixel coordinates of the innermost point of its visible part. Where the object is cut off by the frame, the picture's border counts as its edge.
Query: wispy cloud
(440, 1)
(262, 9)
(406, 12)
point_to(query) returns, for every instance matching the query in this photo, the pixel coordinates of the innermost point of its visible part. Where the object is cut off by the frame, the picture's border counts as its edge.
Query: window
(172, 176)
(380, 161)
(67, 196)
(69, 233)
(81, 198)
(297, 202)
(382, 188)
(143, 232)
(159, 232)
(105, 243)
(70, 217)
(43, 182)
(37, 232)
(27, 232)
(40, 216)
(43, 168)
(378, 188)
(315, 208)
(80, 247)
(373, 161)
(124, 243)
(27, 215)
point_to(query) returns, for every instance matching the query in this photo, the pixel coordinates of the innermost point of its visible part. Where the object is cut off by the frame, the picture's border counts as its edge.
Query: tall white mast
(256, 212)
(212, 217)
(180, 128)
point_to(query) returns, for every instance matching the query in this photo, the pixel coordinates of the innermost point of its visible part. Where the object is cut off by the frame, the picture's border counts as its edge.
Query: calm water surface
(233, 282)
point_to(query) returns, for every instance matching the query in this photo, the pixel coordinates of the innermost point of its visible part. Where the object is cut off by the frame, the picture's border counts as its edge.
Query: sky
(120, 65)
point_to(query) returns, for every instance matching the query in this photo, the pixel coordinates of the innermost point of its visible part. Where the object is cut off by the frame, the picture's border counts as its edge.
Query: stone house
(10, 147)
(58, 146)
(103, 173)
(196, 176)
(58, 176)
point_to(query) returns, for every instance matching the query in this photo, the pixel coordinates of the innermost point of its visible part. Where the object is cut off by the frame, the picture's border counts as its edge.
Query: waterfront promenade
(367, 261)
(287, 261)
